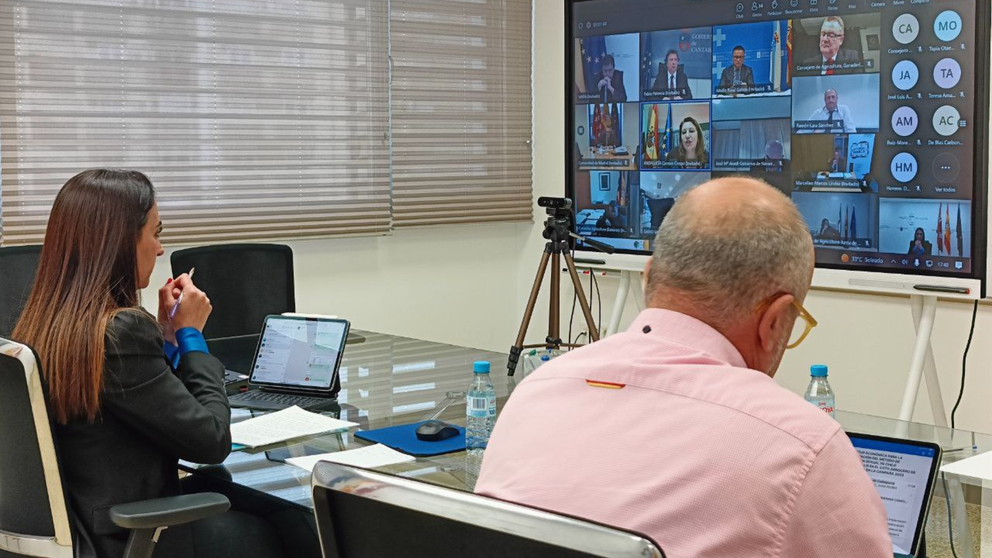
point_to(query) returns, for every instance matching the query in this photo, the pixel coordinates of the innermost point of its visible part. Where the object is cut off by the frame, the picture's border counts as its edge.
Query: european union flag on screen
(593, 51)
(668, 133)
(646, 59)
(854, 224)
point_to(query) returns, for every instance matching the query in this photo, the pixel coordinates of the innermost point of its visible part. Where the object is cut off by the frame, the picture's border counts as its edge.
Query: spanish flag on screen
(947, 230)
(651, 150)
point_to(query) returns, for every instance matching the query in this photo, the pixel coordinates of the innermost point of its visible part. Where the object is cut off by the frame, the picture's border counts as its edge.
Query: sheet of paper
(978, 466)
(369, 457)
(284, 425)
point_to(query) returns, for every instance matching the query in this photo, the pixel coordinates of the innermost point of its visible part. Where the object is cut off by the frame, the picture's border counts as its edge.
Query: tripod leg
(518, 347)
(554, 315)
(577, 285)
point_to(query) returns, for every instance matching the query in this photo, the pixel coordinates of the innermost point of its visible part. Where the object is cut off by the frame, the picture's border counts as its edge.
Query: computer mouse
(435, 431)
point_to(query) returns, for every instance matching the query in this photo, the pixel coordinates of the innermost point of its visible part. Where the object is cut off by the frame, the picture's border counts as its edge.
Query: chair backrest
(364, 514)
(18, 265)
(245, 283)
(33, 517)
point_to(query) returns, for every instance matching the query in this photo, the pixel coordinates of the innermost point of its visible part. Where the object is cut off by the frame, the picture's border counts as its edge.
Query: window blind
(461, 111)
(254, 119)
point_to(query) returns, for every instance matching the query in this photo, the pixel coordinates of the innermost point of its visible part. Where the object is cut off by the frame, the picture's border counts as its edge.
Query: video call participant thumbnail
(829, 47)
(671, 83)
(684, 143)
(767, 158)
(824, 163)
(750, 59)
(606, 69)
(676, 64)
(691, 151)
(926, 228)
(833, 117)
(836, 105)
(840, 220)
(605, 136)
(610, 82)
(659, 190)
(737, 78)
(604, 202)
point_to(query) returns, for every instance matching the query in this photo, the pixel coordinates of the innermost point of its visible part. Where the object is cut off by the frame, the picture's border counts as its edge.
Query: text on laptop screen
(862, 112)
(296, 352)
(901, 473)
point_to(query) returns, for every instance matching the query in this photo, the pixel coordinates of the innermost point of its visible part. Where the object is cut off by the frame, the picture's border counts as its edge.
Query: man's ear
(644, 279)
(773, 320)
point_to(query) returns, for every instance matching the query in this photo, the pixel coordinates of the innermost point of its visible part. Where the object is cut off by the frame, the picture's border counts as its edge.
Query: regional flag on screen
(960, 235)
(940, 229)
(947, 231)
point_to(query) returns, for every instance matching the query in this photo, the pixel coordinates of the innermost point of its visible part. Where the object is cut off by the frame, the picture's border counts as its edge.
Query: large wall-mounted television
(871, 115)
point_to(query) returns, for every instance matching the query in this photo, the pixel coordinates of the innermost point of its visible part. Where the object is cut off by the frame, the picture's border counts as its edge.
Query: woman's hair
(87, 273)
(701, 154)
(921, 231)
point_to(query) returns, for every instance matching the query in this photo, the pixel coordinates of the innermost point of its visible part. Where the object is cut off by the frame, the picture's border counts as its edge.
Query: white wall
(451, 284)
(866, 340)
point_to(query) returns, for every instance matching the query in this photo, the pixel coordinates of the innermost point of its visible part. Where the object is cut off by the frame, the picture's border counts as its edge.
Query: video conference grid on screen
(860, 111)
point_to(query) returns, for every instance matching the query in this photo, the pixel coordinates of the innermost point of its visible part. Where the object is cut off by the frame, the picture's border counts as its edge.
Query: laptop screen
(904, 472)
(299, 352)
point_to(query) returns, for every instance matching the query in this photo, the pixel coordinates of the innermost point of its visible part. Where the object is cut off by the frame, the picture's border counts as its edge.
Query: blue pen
(172, 313)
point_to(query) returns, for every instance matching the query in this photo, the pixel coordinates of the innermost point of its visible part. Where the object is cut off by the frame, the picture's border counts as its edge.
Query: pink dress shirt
(703, 455)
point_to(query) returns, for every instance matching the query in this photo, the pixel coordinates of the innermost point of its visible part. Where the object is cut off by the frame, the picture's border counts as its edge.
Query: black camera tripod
(557, 229)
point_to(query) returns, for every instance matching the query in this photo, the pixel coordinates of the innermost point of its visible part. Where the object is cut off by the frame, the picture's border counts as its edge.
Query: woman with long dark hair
(692, 145)
(129, 393)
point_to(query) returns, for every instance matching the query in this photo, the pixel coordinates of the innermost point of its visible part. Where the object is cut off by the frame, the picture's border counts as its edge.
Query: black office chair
(34, 520)
(18, 265)
(245, 283)
(353, 505)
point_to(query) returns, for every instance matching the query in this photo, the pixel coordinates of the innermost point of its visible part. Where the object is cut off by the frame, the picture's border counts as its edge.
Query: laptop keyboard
(280, 399)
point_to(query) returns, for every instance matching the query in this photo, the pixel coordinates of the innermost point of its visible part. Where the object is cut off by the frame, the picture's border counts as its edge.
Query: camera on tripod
(558, 231)
(554, 203)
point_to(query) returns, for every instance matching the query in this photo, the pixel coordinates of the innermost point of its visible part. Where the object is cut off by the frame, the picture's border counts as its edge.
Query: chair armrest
(166, 512)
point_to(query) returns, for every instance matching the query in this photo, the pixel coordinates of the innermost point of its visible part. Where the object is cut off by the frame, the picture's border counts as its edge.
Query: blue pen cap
(818, 370)
(480, 367)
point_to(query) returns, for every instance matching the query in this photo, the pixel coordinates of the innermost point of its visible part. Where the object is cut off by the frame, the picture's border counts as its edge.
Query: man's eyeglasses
(830, 35)
(800, 329)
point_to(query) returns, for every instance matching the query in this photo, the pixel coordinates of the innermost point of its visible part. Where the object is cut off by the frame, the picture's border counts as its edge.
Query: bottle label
(491, 406)
(826, 407)
(478, 407)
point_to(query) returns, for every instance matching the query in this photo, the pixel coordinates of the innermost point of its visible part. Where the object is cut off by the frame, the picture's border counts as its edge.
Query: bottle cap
(481, 367)
(818, 371)
(545, 358)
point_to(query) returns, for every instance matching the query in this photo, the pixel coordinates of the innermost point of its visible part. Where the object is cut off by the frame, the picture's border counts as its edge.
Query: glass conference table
(388, 380)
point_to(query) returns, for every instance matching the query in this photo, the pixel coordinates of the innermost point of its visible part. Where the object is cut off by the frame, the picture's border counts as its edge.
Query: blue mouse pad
(404, 438)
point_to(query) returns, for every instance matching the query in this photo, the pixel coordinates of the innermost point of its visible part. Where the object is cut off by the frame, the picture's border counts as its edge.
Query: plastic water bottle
(480, 409)
(819, 392)
(535, 359)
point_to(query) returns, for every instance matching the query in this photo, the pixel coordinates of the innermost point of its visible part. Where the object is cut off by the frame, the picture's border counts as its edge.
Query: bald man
(675, 428)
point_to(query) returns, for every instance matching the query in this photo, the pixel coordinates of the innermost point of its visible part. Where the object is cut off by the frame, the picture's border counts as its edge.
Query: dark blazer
(619, 94)
(681, 82)
(727, 77)
(843, 55)
(150, 417)
(927, 248)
